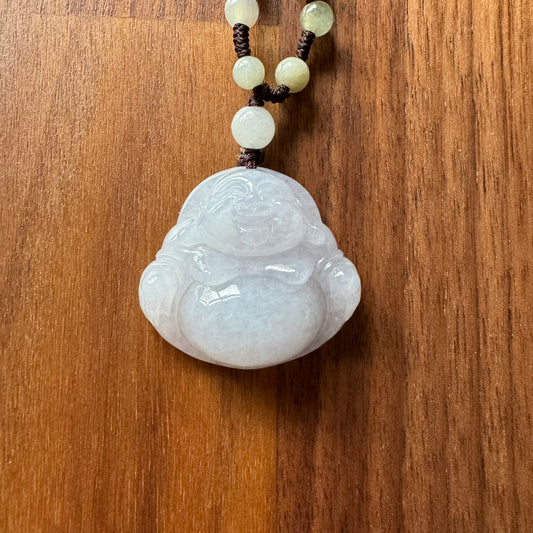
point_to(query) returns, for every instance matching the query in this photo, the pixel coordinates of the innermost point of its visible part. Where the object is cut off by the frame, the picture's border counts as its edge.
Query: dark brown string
(241, 40)
(264, 93)
(304, 44)
(250, 158)
(279, 94)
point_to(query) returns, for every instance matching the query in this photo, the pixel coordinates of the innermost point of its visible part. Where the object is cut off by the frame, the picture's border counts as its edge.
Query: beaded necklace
(254, 129)
(250, 276)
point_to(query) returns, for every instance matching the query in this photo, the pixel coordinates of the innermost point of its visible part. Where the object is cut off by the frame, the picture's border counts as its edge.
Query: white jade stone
(242, 12)
(253, 127)
(292, 72)
(317, 17)
(248, 72)
(250, 276)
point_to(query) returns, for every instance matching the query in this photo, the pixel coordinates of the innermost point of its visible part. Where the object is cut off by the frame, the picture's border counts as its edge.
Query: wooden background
(415, 138)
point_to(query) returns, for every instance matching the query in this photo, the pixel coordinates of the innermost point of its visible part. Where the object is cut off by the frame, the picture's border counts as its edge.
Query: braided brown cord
(264, 93)
(250, 158)
(279, 94)
(241, 40)
(304, 44)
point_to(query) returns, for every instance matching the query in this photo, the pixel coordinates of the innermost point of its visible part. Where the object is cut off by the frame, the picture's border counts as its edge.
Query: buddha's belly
(258, 319)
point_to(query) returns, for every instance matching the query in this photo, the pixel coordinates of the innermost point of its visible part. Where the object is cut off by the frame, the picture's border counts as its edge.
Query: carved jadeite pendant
(250, 276)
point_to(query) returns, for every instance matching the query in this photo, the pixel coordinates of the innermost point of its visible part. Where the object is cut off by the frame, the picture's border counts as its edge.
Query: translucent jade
(253, 127)
(241, 12)
(250, 276)
(294, 73)
(317, 17)
(248, 72)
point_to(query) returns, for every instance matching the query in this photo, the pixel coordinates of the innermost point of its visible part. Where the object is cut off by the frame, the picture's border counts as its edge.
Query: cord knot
(250, 158)
(264, 93)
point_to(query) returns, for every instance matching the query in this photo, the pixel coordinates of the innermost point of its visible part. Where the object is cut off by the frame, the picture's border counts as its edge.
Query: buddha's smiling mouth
(254, 231)
(252, 221)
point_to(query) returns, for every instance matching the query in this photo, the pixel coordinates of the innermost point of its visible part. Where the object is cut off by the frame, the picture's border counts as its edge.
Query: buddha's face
(252, 215)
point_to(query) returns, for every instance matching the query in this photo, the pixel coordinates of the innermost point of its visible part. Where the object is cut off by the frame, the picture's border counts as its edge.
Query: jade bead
(248, 72)
(292, 72)
(242, 12)
(253, 127)
(317, 17)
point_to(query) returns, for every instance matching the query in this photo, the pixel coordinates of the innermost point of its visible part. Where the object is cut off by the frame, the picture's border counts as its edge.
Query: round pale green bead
(241, 12)
(253, 127)
(292, 72)
(317, 17)
(248, 72)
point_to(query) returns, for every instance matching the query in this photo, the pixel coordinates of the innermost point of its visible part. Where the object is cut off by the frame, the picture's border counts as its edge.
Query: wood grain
(415, 138)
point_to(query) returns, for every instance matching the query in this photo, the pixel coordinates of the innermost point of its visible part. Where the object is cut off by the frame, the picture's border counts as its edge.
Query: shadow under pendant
(249, 277)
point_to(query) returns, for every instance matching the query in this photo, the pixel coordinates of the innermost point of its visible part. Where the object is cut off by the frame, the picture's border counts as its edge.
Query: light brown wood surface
(415, 137)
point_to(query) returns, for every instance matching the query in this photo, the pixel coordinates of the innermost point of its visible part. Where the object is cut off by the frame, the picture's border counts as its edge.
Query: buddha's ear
(320, 235)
